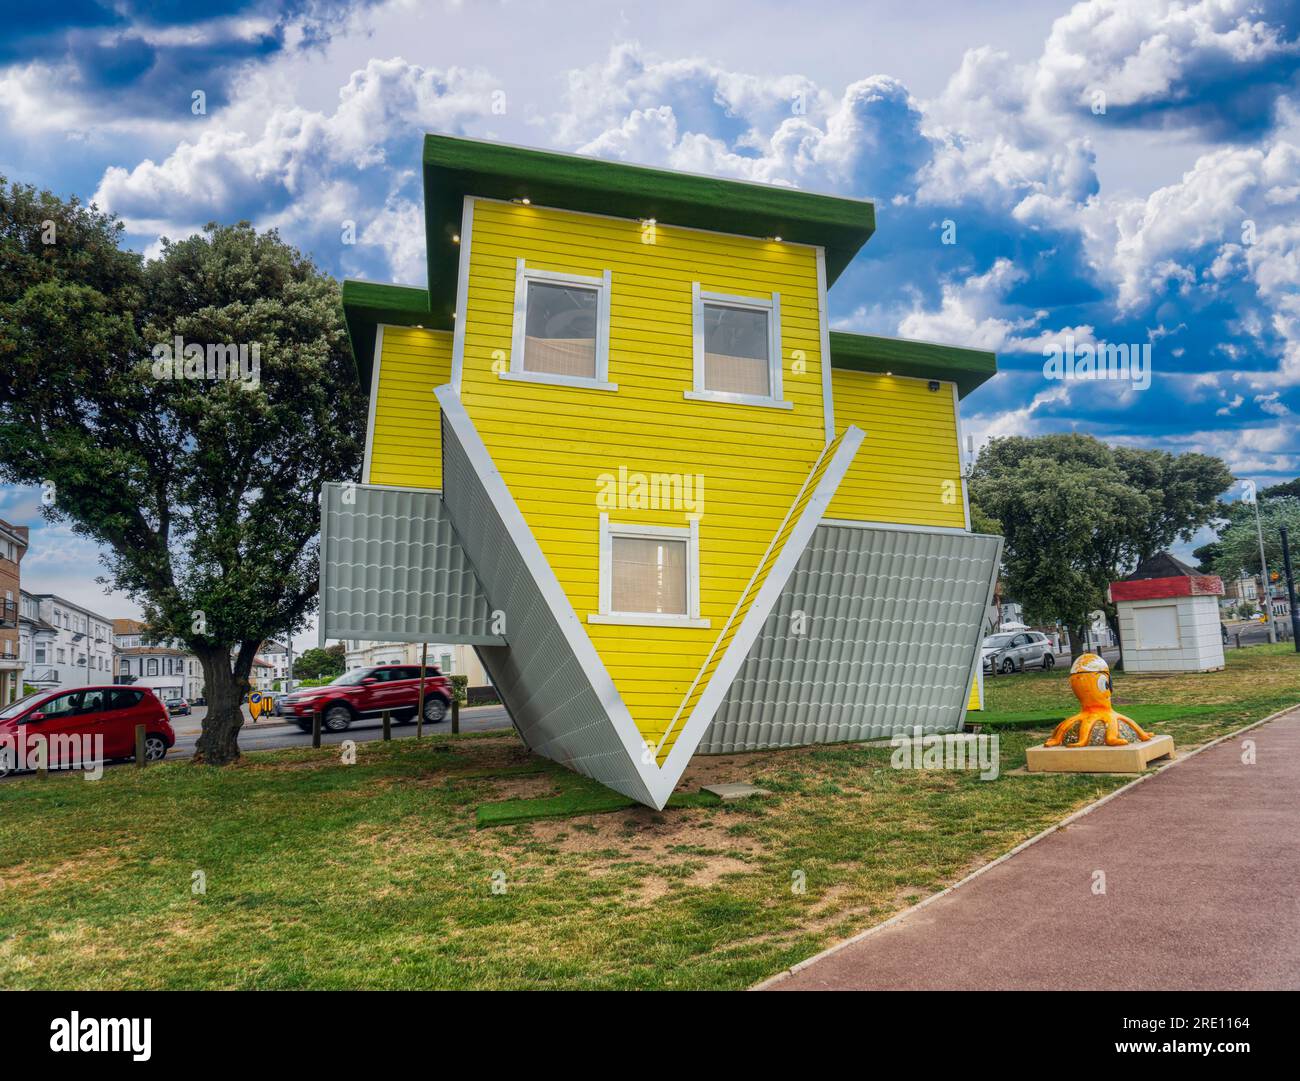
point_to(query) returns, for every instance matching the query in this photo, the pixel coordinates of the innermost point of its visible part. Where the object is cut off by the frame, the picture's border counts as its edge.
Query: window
(38, 653)
(63, 706)
(649, 575)
(152, 666)
(63, 656)
(1157, 627)
(561, 329)
(737, 349)
(124, 699)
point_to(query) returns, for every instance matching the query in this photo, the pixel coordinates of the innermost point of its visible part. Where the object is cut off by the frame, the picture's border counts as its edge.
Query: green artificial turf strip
(1143, 714)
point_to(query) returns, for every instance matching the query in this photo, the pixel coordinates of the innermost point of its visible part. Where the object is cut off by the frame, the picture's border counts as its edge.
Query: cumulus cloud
(303, 166)
(1217, 66)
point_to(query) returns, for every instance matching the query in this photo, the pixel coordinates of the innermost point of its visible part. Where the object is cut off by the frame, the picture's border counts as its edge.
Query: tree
(1290, 487)
(1075, 514)
(201, 487)
(317, 663)
(1237, 546)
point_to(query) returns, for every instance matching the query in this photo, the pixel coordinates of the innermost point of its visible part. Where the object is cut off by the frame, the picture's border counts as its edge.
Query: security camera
(934, 384)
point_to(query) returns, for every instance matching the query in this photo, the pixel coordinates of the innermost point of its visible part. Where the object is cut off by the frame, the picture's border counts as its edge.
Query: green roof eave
(367, 304)
(456, 167)
(968, 368)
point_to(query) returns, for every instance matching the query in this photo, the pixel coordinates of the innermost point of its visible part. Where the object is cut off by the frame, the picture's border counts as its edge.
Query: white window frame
(772, 308)
(523, 276)
(689, 533)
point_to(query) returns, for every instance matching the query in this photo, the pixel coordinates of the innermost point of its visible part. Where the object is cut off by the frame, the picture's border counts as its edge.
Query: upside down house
(616, 447)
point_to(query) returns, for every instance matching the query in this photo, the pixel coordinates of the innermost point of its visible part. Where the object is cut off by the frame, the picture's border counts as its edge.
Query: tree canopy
(1236, 549)
(1076, 514)
(317, 663)
(199, 479)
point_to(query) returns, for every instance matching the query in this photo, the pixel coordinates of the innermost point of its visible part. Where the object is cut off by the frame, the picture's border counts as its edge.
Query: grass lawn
(375, 875)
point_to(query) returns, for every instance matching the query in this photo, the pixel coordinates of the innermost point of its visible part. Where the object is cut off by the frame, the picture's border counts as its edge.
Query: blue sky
(1121, 171)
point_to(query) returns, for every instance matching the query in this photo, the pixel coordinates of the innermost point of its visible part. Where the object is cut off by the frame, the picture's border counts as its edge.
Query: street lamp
(1249, 496)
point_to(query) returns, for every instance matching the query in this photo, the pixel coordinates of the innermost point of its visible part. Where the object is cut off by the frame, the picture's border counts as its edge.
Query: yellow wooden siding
(552, 443)
(748, 596)
(909, 469)
(407, 438)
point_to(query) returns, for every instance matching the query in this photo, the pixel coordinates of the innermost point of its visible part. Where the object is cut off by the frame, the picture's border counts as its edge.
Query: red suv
(367, 692)
(64, 719)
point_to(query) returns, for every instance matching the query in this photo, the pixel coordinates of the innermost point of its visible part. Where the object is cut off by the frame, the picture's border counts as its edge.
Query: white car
(1014, 651)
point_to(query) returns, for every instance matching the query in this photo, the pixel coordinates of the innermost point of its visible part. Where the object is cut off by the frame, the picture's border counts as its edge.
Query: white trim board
(769, 592)
(961, 473)
(544, 578)
(462, 293)
(824, 331)
(374, 399)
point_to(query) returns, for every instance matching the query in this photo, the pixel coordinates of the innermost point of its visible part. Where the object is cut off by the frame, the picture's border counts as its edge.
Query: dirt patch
(92, 861)
(524, 786)
(731, 768)
(652, 836)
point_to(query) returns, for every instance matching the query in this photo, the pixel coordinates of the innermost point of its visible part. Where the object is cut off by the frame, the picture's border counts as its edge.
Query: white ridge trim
(724, 675)
(374, 398)
(462, 294)
(549, 586)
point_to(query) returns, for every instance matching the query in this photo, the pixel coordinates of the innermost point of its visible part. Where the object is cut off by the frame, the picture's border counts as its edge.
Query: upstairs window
(737, 349)
(561, 329)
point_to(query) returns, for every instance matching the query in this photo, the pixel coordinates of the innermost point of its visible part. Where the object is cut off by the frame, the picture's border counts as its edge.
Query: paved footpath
(1202, 866)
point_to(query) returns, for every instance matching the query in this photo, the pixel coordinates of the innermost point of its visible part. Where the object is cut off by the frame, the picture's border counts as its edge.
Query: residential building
(615, 446)
(13, 546)
(71, 646)
(165, 666)
(452, 660)
(278, 656)
(261, 677)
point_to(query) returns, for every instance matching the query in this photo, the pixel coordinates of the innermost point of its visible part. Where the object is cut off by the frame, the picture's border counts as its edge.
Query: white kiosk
(1169, 617)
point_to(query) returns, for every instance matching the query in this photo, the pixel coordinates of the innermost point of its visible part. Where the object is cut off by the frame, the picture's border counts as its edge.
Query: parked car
(179, 707)
(109, 712)
(1014, 651)
(367, 692)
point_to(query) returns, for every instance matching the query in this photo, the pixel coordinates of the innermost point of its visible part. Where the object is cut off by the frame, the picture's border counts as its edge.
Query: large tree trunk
(1112, 621)
(224, 687)
(1078, 641)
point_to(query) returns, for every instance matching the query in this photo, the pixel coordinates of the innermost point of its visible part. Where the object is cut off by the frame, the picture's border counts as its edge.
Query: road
(273, 735)
(1185, 881)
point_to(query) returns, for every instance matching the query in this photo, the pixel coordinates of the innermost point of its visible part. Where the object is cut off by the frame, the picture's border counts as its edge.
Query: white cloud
(973, 313)
(258, 154)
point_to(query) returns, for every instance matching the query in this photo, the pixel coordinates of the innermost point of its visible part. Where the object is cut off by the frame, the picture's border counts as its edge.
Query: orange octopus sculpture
(1090, 681)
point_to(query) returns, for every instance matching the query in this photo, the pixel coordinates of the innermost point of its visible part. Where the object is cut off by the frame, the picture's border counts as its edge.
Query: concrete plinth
(1131, 758)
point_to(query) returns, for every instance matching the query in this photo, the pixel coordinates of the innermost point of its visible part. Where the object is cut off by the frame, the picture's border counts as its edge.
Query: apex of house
(615, 446)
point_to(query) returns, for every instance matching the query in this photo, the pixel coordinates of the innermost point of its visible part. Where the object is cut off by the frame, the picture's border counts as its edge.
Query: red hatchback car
(367, 692)
(66, 718)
